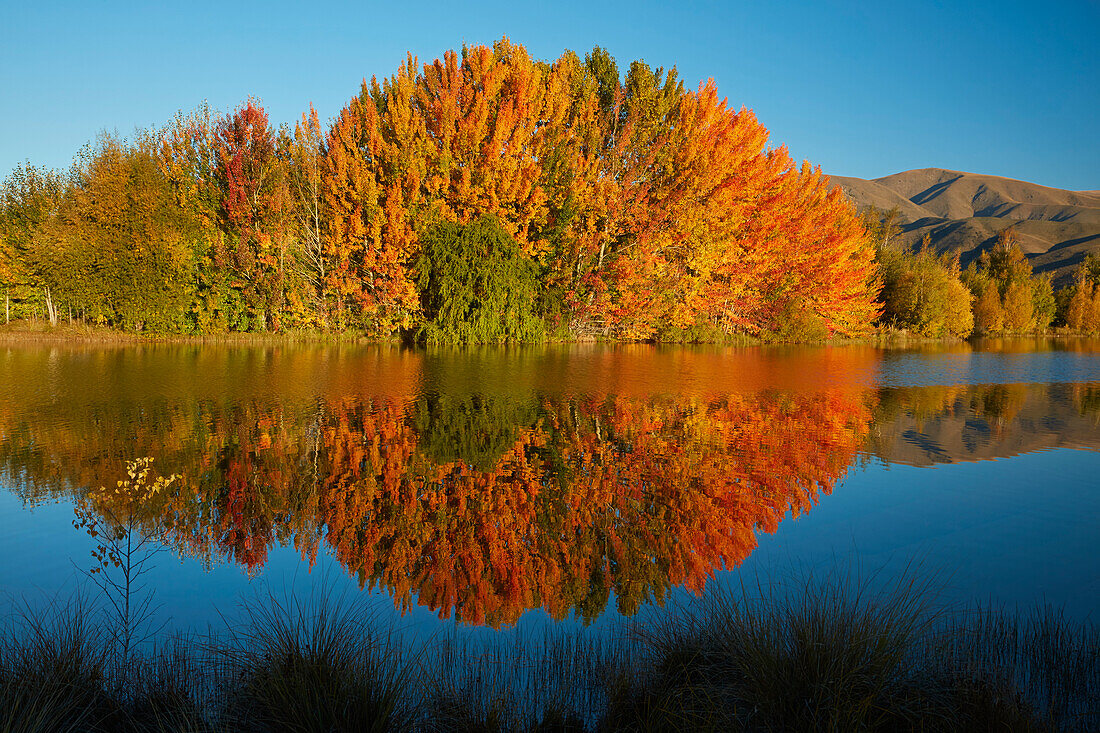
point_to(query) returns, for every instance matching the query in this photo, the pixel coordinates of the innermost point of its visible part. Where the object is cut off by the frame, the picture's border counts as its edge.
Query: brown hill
(964, 212)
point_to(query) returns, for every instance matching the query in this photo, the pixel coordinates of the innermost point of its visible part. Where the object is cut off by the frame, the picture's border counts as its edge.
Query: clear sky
(863, 89)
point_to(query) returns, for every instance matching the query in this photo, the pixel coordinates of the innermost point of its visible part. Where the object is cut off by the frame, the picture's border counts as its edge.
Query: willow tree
(476, 285)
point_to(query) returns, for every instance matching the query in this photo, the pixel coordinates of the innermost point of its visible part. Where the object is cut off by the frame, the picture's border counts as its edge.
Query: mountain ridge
(964, 212)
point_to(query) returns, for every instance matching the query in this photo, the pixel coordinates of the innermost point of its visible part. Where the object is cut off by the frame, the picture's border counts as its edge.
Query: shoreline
(21, 332)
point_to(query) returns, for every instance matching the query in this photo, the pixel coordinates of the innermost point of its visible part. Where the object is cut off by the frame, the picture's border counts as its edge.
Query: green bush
(476, 285)
(922, 293)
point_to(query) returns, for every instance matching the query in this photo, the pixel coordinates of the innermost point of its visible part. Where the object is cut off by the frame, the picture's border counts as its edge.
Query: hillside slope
(964, 212)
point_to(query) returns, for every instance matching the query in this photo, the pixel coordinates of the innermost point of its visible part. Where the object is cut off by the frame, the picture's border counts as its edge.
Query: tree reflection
(486, 506)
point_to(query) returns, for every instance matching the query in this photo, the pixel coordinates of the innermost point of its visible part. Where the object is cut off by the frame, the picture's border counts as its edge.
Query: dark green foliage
(476, 286)
(1062, 298)
(476, 431)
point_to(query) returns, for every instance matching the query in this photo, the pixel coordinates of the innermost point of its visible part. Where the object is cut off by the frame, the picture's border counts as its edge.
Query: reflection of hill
(928, 425)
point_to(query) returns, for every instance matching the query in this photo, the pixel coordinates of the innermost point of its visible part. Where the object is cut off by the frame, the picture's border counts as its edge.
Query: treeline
(576, 200)
(997, 294)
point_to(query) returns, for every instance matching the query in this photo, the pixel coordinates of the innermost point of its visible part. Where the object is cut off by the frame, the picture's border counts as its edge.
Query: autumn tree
(1003, 274)
(647, 207)
(252, 210)
(1075, 303)
(105, 242)
(1080, 308)
(646, 210)
(923, 293)
(1018, 307)
(366, 279)
(187, 155)
(306, 148)
(1043, 303)
(30, 199)
(133, 245)
(989, 318)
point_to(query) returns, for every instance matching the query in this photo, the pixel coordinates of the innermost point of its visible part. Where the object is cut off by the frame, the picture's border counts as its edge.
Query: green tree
(1044, 306)
(922, 293)
(30, 200)
(122, 250)
(476, 285)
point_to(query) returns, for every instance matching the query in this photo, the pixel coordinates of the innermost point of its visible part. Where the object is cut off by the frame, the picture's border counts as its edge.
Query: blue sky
(860, 88)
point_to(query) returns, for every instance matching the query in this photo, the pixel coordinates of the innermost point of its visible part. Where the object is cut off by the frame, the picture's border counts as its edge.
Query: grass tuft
(315, 664)
(822, 653)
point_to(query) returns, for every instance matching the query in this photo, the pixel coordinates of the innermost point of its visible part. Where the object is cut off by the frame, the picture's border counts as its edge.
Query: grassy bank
(43, 332)
(832, 655)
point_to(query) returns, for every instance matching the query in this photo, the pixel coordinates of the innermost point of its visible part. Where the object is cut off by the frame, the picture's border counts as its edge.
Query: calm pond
(511, 487)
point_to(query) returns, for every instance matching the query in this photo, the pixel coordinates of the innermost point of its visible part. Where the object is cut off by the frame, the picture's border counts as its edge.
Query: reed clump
(313, 663)
(826, 653)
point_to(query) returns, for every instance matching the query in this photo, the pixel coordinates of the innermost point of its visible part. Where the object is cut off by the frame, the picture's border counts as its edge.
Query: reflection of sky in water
(976, 367)
(1018, 532)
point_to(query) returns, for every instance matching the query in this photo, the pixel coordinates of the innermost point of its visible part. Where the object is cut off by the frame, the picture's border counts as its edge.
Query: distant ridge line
(963, 212)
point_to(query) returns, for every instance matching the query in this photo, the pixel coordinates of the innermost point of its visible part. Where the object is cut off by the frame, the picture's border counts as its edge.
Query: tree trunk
(7, 308)
(50, 308)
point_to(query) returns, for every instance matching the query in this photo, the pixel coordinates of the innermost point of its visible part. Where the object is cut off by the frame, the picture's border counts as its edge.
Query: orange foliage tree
(651, 210)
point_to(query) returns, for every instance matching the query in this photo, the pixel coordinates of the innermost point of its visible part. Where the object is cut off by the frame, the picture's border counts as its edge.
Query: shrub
(922, 293)
(315, 664)
(476, 285)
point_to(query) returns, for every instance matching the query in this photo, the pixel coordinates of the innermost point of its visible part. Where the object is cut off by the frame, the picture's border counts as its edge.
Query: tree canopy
(643, 209)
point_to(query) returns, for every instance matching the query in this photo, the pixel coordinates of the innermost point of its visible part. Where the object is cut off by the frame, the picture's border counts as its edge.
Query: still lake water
(505, 488)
